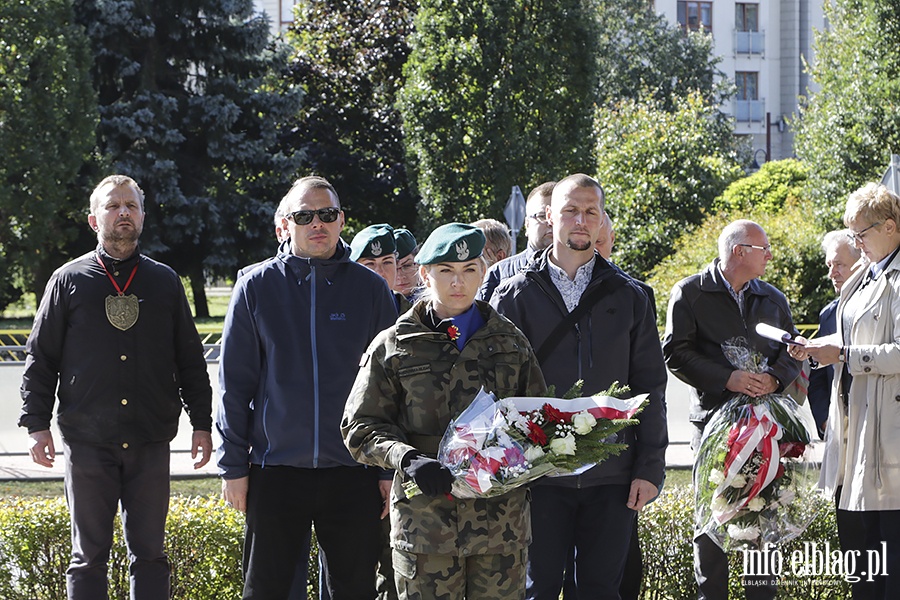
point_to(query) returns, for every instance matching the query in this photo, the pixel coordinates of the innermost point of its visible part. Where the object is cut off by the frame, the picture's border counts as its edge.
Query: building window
(747, 85)
(746, 17)
(747, 105)
(693, 16)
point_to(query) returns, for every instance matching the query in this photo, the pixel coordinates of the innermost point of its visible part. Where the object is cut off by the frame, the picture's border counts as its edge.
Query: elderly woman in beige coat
(862, 450)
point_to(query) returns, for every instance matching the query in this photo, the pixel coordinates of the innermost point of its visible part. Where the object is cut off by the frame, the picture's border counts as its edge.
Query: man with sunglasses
(538, 232)
(295, 330)
(724, 301)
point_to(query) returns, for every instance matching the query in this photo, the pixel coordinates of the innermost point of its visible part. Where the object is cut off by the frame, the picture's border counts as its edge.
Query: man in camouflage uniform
(414, 379)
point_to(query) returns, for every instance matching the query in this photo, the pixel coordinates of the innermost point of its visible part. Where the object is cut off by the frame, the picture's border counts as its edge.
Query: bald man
(723, 301)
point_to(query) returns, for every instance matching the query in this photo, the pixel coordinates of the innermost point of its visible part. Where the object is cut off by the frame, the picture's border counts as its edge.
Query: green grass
(196, 486)
(204, 486)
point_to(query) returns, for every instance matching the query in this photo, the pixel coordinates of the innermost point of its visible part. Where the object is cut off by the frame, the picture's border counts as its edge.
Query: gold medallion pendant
(122, 311)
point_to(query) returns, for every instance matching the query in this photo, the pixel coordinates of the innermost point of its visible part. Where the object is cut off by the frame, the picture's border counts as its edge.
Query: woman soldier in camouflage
(415, 377)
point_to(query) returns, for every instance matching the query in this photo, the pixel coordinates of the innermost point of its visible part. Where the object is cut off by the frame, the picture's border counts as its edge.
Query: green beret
(406, 242)
(374, 241)
(454, 242)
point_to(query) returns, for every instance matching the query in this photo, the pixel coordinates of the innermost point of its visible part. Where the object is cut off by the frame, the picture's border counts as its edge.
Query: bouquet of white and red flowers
(752, 470)
(495, 446)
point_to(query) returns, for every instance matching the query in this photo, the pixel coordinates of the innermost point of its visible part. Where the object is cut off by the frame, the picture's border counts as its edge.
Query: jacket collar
(712, 280)
(341, 255)
(117, 263)
(602, 268)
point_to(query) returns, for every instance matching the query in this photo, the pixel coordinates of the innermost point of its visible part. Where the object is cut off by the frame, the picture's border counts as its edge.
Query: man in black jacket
(588, 321)
(723, 301)
(114, 331)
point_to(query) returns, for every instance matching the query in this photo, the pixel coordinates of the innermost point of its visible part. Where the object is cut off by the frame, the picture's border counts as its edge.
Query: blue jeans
(98, 478)
(596, 522)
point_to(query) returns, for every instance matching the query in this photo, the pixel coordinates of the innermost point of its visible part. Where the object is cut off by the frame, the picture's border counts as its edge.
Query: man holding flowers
(589, 322)
(724, 301)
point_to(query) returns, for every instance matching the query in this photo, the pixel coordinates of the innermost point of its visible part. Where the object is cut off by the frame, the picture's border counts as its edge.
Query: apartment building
(763, 45)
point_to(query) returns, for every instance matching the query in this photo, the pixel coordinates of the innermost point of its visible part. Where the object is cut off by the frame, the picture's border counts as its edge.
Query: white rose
(739, 481)
(532, 453)
(720, 504)
(583, 422)
(716, 477)
(750, 533)
(564, 445)
(756, 505)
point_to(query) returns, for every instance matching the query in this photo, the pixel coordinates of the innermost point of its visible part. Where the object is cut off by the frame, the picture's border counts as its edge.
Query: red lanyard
(116, 285)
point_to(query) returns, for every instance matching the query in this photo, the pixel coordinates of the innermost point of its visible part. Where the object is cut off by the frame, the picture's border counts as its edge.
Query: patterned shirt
(571, 289)
(737, 295)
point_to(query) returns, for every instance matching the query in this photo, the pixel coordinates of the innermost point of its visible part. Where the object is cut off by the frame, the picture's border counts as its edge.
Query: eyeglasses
(540, 217)
(305, 217)
(858, 236)
(766, 248)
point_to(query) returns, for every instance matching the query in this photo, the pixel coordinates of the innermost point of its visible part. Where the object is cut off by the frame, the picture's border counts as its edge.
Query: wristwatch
(843, 354)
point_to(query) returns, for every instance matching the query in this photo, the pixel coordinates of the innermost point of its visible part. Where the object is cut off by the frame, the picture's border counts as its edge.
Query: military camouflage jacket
(412, 381)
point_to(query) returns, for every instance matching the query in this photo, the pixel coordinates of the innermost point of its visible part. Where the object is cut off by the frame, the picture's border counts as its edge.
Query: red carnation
(791, 449)
(536, 434)
(553, 415)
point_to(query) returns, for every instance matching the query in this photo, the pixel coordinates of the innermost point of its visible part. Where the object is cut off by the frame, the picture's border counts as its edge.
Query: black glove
(433, 478)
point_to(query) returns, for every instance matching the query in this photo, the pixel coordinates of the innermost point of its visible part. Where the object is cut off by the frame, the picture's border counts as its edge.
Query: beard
(579, 246)
(118, 236)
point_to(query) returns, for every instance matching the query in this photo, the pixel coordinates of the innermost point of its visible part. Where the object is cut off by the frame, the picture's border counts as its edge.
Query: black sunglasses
(305, 217)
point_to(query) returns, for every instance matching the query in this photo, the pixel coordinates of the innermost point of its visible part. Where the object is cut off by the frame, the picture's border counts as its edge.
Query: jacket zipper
(315, 361)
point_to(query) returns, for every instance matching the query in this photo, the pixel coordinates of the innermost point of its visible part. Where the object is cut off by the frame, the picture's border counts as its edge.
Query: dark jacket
(503, 270)
(115, 386)
(615, 341)
(820, 379)
(291, 344)
(701, 315)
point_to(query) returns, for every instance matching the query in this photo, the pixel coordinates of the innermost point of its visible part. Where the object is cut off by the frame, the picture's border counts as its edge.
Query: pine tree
(192, 107)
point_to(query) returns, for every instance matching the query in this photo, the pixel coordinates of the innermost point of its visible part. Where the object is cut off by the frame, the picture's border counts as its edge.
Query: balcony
(749, 111)
(749, 42)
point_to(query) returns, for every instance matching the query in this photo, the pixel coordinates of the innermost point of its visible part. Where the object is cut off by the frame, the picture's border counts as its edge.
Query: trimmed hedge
(204, 540)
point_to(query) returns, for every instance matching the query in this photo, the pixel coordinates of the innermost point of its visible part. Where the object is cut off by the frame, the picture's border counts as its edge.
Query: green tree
(641, 53)
(851, 125)
(349, 57)
(47, 119)
(497, 94)
(193, 107)
(767, 190)
(661, 171)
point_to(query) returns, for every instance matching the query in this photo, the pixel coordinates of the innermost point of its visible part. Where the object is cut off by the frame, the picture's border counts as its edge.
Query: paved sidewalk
(16, 464)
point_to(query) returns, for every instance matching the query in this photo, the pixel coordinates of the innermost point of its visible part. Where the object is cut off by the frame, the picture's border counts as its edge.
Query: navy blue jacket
(820, 379)
(295, 331)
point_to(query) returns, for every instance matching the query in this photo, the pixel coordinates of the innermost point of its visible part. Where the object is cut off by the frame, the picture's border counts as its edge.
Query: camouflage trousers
(453, 577)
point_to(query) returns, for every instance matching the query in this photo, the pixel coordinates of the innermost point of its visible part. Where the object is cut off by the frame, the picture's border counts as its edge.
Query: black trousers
(283, 503)
(98, 478)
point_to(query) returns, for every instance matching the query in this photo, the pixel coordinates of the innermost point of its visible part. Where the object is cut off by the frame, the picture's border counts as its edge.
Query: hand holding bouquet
(495, 446)
(750, 468)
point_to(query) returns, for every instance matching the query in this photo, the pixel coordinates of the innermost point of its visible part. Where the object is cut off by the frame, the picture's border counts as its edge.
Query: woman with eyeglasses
(861, 464)
(414, 379)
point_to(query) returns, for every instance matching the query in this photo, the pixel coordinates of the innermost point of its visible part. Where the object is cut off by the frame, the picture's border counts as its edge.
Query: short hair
(733, 234)
(545, 190)
(837, 238)
(496, 235)
(300, 187)
(116, 181)
(873, 202)
(582, 181)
